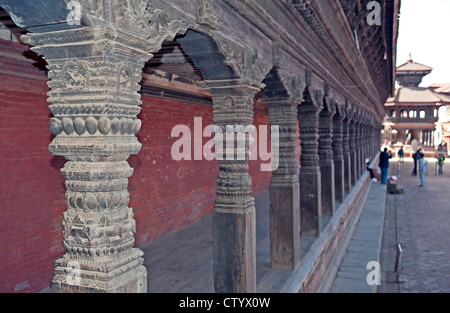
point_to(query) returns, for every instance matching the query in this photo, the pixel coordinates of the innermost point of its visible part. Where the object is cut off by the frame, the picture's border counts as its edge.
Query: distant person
(384, 165)
(416, 157)
(441, 160)
(401, 154)
(422, 169)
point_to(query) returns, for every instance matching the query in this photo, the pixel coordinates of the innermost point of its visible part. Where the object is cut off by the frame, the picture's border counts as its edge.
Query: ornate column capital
(151, 21)
(232, 100)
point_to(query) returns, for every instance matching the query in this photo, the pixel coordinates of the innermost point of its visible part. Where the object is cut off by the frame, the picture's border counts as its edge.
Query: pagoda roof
(441, 88)
(417, 95)
(411, 66)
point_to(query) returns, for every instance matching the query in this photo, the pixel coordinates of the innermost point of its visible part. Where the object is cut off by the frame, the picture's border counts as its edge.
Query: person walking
(441, 160)
(401, 154)
(384, 165)
(416, 157)
(422, 170)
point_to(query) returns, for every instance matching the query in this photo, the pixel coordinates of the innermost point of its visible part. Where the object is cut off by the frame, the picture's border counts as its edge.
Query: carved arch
(207, 55)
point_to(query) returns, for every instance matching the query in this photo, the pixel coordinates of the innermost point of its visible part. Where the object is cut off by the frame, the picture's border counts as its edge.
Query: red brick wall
(165, 194)
(31, 188)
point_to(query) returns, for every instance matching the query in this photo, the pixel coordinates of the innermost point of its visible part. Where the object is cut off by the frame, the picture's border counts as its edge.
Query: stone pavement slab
(364, 247)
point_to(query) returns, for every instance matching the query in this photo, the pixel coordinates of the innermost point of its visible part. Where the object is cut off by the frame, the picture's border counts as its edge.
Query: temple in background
(416, 116)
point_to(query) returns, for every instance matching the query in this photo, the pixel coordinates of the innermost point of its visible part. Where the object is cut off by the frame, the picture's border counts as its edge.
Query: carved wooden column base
(284, 224)
(118, 273)
(234, 249)
(310, 201)
(347, 173)
(327, 174)
(339, 179)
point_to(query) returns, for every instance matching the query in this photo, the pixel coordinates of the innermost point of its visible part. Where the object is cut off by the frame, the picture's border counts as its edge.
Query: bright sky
(424, 32)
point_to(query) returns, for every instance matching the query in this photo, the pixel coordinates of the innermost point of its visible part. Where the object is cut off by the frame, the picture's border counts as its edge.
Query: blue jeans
(423, 178)
(384, 175)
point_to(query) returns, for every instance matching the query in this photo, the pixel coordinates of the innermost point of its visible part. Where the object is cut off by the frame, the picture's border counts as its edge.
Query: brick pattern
(31, 188)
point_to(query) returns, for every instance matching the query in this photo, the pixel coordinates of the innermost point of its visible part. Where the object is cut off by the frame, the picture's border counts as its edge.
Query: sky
(425, 33)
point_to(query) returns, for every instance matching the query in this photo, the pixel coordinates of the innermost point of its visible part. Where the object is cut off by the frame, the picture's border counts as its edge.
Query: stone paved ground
(419, 219)
(364, 246)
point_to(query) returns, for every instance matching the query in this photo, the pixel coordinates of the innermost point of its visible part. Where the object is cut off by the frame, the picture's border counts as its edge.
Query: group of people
(383, 164)
(420, 164)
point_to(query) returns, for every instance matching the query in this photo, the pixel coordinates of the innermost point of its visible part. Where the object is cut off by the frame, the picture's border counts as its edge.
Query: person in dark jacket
(416, 157)
(384, 165)
(401, 155)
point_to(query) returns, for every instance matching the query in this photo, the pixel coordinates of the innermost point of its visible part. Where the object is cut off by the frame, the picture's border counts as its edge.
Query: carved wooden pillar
(371, 139)
(326, 161)
(338, 154)
(376, 139)
(310, 180)
(94, 74)
(234, 209)
(94, 99)
(346, 147)
(281, 95)
(284, 187)
(357, 149)
(365, 132)
(353, 154)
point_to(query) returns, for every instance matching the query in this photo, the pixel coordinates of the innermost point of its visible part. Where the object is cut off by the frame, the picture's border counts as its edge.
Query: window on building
(422, 113)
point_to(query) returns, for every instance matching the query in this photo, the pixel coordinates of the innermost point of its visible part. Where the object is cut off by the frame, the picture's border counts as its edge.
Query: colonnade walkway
(417, 221)
(182, 260)
(357, 270)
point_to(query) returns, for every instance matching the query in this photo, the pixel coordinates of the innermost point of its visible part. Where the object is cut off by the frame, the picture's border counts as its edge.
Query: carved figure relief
(76, 74)
(206, 14)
